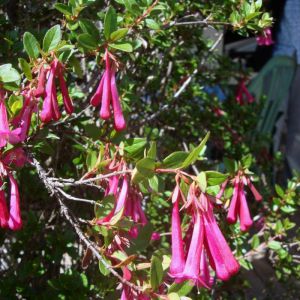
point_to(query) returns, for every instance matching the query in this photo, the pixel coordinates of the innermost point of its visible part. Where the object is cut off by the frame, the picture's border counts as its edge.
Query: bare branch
(52, 189)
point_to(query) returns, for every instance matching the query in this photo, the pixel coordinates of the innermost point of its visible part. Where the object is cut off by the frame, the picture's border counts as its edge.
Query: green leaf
(143, 239)
(52, 38)
(118, 34)
(287, 209)
(15, 104)
(88, 26)
(173, 296)
(103, 269)
(107, 204)
(230, 165)
(84, 280)
(201, 179)
(156, 272)
(110, 22)
(146, 167)
(126, 47)
(91, 159)
(156, 183)
(255, 241)
(31, 45)
(87, 41)
(24, 65)
(274, 245)
(246, 161)
(279, 190)
(65, 9)
(152, 150)
(9, 74)
(150, 23)
(246, 264)
(135, 146)
(181, 289)
(175, 160)
(215, 178)
(194, 154)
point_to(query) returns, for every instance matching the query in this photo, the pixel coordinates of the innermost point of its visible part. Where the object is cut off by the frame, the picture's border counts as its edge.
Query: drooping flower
(265, 39)
(50, 110)
(238, 208)
(23, 119)
(205, 246)
(11, 218)
(127, 201)
(6, 135)
(220, 256)
(107, 95)
(243, 94)
(178, 259)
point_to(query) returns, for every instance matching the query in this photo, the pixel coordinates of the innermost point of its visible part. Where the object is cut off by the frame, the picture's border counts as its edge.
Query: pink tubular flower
(219, 253)
(107, 95)
(6, 135)
(243, 94)
(178, 261)
(4, 215)
(238, 206)
(11, 219)
(14, 221)
(266, 38)
(50, 110)
(23, 119)
(191, 269)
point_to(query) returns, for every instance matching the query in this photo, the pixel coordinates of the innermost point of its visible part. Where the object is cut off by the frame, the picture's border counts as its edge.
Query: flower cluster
(47, 88)
(107, 94)
(204, 244)
(238, 208)
(265, 39)
(127, 200)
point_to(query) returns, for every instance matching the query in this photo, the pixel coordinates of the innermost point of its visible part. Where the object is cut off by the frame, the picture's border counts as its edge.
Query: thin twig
(185, 83)
(70, 197)
(52, 189)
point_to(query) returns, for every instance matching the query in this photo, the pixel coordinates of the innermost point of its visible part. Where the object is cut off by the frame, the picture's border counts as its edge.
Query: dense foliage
(139, 195)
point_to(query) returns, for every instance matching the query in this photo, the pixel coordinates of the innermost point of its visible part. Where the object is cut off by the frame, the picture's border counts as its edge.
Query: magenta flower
(178, 260)
(243, 94)
(134, 210)
(191, 269)
(238, 206)
(23, 119)
(4, 215)
(107, 94)
(14, 221)
(220, 256)
(50, 110)
(40, 90)
(6, 135)
(11, 219)
(265, 39)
